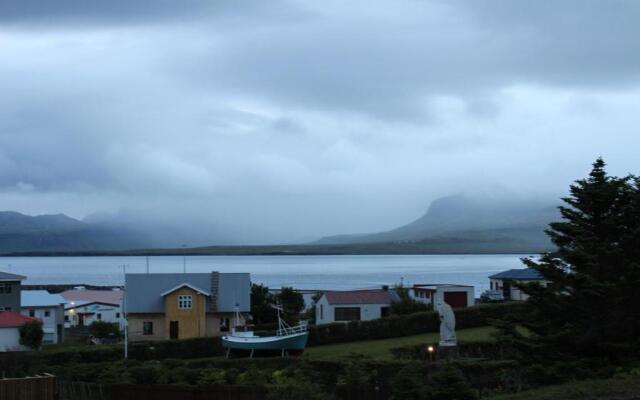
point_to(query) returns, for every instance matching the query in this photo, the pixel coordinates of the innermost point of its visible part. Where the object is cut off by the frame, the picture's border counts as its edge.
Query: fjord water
(304, 272)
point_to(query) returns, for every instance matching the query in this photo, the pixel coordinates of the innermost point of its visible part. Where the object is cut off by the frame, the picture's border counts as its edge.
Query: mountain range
(456, 224)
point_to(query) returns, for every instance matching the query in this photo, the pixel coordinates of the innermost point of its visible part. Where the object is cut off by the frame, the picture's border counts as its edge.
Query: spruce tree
(589, 306)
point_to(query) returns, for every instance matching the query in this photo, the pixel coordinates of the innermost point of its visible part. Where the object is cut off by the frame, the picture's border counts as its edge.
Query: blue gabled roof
(523, 274)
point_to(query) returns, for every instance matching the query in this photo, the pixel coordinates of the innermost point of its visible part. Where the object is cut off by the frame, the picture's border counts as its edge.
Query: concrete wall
(10, 340)
(325, 312)
(135, 327)
(11, 301)
(191, 321)
(51, 323)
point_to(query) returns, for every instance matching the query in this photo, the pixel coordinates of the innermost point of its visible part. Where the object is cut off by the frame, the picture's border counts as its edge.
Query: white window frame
(185, 302)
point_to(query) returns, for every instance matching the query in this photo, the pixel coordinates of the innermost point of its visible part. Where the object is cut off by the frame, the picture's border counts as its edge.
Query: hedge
(411, 324)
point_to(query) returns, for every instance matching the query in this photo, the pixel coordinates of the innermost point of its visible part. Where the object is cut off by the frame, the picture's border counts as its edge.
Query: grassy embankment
(380, 349)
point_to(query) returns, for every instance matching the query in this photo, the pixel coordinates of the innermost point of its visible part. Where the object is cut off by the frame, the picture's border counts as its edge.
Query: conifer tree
(589, 306)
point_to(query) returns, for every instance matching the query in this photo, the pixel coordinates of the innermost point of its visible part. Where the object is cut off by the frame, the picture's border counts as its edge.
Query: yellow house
(182, 306)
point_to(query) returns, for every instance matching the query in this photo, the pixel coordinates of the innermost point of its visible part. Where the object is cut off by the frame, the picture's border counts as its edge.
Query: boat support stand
(251, 355)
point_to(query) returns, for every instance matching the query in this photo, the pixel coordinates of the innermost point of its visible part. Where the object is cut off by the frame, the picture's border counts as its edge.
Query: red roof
(377, 296)
(91, 296)
(9, 319)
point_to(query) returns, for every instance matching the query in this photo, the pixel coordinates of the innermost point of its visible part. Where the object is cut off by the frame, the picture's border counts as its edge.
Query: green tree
(261, 301)
(406, 304)
(31, 334)
(590, 305)
(292, 302)
(103, 329)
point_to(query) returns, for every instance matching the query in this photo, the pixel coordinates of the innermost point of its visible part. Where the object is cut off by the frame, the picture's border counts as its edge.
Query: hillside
(19, 232)
(462, 221)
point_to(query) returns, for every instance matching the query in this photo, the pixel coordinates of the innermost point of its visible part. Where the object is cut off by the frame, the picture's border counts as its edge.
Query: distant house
(10, 323)
(10, 286)
(503, 282)
(180, 306)
(456, 296)
(48, 308)
(354, 305)
(83, 306)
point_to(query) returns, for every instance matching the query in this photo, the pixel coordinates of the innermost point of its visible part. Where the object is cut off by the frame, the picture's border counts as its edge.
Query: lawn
(605, 389)
(379, 349)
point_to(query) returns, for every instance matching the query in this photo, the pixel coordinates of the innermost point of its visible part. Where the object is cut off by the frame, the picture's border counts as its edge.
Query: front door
(173, 330)
(506, 290)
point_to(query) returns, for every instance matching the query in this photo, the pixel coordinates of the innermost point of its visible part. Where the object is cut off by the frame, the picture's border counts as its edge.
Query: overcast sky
(296, 119)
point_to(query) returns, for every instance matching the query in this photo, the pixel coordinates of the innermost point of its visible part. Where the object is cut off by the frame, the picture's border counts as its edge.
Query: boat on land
(287, 339)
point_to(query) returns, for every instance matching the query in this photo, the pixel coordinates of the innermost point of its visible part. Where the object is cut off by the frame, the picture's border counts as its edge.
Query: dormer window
(185, 302)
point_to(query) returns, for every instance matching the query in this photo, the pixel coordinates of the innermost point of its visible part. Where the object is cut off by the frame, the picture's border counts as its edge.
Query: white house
(48, 308)
(456, 296)
(503, 282)
(354, 305)
(83, 306)
(10, 323)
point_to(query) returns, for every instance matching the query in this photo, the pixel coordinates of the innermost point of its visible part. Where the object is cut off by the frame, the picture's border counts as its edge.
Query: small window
(99, 316)
(147, 328)
(321, 311)
(32, 313)
(185, 302)
(66, 318)
(47, 313)
(117, 315)
(5, 288)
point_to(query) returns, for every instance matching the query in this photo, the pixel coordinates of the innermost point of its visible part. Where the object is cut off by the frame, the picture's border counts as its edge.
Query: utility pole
(184, 258)
(124, 313)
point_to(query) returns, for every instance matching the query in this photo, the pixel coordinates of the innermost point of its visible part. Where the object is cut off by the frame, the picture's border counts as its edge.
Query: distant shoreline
(301, 250)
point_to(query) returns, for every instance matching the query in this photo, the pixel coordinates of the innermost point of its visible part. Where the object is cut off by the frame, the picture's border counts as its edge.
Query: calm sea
(303, 272)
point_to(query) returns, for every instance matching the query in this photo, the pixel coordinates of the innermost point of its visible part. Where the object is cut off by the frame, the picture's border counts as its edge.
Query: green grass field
(379, 349)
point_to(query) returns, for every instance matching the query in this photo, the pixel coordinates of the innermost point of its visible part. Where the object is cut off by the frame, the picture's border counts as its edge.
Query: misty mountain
(463, 221)
(100, 232)
(19, 232)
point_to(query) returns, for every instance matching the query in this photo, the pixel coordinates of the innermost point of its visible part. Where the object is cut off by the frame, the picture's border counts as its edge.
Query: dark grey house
(10, 286)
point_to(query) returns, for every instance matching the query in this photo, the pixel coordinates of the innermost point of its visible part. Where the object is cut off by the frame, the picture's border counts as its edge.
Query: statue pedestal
(447, 351)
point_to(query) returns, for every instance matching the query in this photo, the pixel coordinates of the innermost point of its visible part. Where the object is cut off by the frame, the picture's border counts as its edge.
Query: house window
(185, 301)
(117, 315)
(99, 316)
(5, 288)
(347, 313)
(384, 311)
(47, 313)
(32, 313)
(66, 318)
(321, 311)
(147, 328)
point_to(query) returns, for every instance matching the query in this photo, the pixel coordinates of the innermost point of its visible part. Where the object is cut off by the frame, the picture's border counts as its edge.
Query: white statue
(447, 325)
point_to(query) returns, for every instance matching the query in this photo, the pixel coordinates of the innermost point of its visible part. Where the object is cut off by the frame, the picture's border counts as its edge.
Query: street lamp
(430, 350)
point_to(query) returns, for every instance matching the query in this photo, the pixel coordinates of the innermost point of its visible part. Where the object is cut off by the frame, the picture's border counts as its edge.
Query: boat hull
(296, 341)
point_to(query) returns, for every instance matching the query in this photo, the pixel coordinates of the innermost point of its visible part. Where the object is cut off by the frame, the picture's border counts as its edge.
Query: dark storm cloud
(297, 119)
(70, 13)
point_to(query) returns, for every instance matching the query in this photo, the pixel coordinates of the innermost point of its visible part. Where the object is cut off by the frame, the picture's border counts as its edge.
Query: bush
(412, 324)
(104, 330)
(31, 334)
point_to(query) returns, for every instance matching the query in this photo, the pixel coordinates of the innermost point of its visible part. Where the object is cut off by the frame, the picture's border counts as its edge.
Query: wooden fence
(41, 387)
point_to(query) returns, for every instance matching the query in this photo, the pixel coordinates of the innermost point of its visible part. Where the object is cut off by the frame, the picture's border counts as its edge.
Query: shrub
(103, 329)
(145, 374)
(412, 324)
(213, 376)
(31, 334)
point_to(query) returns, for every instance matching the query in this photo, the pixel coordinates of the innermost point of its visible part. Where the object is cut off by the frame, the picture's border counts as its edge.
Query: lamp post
(430, 350)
